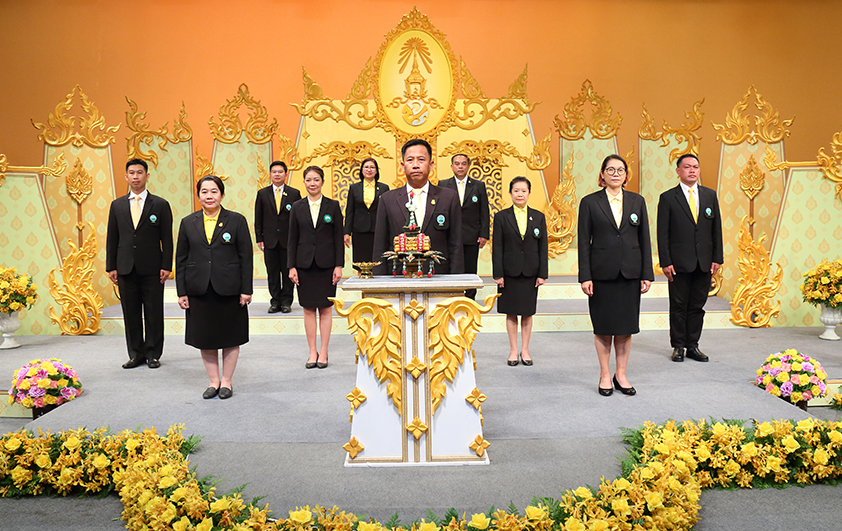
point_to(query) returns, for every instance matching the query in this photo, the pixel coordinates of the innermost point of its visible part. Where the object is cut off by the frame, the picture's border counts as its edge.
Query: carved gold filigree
(601, 124)
(737, 128)
(414, 309)
(448, 350)
(141, 134)
(61, 129)
(79, 183)
(752, 179)
(230, 127)
(263, 180)
(715, 280)
(476, 398)
(361, 89)
(417, 428)
(355, 397)
(752, 305)
(338, 151)
(205, 167)
(470, 86)
(540, 157)
(479, 445)
(686, 132)
(354, 111)
(81, 305)
(561, 213)
(493, 151)
(58, 167)
(383, 351)
(415, 367)
(288, 153)
(831, 165)
(631, 162)
(353, 447)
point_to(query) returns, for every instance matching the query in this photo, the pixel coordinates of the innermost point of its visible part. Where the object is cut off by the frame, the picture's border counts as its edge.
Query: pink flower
(59, 401)
(38, 402)
(806, 395)
(786, 367)
(68, 393)
(770, 388)
(814, 380)
(796, 379)
(53, 384)
(36, 392)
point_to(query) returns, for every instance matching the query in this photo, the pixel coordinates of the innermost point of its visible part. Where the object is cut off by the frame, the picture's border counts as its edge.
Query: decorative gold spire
(230, 127)
(737, 128)
(752, 305)
(687, 132)
(601, 123)
(62, 128)
(141, 134)
(561, 214)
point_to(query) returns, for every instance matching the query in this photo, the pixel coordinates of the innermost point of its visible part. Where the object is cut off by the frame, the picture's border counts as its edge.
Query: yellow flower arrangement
(17, 292)
(823, 284)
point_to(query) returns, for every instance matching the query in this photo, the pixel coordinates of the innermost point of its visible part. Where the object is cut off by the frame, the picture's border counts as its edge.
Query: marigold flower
(479, 521)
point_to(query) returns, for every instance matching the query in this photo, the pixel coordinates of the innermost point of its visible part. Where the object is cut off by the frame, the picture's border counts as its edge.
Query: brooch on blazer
(474, 199)
(633, 219)
(328, 219)
(433, 202)
(708, 213)
(226, 237)
(440, 219)
(537, 232)
(153, 219)
(289, 206)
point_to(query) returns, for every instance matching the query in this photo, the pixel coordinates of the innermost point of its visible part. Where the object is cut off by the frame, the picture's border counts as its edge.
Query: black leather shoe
(310, 365)
(606, 392)
(512, 363)
(528, 363)
(225, 392)
(285, 309)
(677, 354)
(132, 363)
(153, 364)
(696, 354)
(210, 392)
(274, 309)
(625, 390)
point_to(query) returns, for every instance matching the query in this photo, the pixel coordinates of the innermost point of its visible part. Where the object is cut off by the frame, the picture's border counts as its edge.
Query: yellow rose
(749, 449)
(14, 305)
(49, 400)
(620, 506)
(66, 476)
(24, 385)
(182, 524)
(662, 448)
(719, 429)
(427, 526)
(369, 526)
(584, 493)
(645, 473)
(50, 368)
(790, 444)
(223, 504)
(804, 379)
(767, 379)
(732, 467)
(598, 525)
(72, 443)
(165, 470)
(820, 456)
(479, 521)
(782, 377)
(167, 482)
(30, 300)
(131, 444)
(795, 396)
(14, 443)
(300, 517)
(63, 382)
(205, 525)
(654, 500)
(43, 461)
(21, 475)
(835, 436)
(774, 463)
(44, 383)
(796, 366)
(535, 513)
(816, 390)
(574, 524)
(764, 429)
(805, 425)
(169, 513)
(622, 484)
(27, 402)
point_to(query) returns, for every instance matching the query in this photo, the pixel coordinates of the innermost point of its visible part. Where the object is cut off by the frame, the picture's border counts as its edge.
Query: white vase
(830, 318)
(9, 323)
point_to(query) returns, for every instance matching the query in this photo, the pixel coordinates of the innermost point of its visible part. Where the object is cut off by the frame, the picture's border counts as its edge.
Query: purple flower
(21, 373)
(822, 388)
(67, 393)
(787, 357)
(774, 371)
(35, 392)
(786, 388)
(808, 367)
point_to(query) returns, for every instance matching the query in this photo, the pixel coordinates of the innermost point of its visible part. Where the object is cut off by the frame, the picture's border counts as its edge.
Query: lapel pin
(220, 223)
(226, 237)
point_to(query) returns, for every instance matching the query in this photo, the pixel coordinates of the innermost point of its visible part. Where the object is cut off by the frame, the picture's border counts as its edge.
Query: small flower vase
(9, 323)
(830, 318)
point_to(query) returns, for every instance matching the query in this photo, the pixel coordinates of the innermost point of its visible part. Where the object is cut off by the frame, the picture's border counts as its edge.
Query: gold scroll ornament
(61, 129)
(574, 124)
(383, 351)
(752, 305)
(258, 129)
(561, 213)
(829, 164)
(81, 305)
(181, 132)
(58, 167)
(687, 131)
(737, 127)
(205, 167)
(448, 350)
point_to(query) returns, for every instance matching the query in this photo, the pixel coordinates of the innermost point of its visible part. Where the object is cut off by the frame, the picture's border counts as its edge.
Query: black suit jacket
(606, 250)
(683, 243)
(271, 227)
(512, 255)
(226, 262)
(147, 248)
(320, 245)
(475, 213)
(358, 217)
(445, 237)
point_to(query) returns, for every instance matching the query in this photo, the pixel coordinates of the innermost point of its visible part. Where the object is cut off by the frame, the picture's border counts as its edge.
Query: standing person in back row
(475, 215)
(361, 211)
(138, 258)
(690, 251)
(271, 231)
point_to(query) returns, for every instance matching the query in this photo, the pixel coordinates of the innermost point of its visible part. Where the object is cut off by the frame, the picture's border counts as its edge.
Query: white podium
(416, 401)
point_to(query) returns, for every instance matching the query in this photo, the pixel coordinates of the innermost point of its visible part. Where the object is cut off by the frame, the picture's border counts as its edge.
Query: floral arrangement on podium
(44, 383)
(16, 291)
(411, 248)
(823, 284)
(793, 376)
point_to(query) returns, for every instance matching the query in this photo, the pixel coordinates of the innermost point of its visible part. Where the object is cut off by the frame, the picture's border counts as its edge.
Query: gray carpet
(549, 430)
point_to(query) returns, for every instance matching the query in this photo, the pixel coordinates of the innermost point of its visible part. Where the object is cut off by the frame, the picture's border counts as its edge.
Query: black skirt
(518, 296)
(362, 246)
(615, 307)
(315, 285)
(216, 321)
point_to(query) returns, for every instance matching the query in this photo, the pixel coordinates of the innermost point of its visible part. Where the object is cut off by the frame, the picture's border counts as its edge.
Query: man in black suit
(271, 231)
(437, 207)
(690, 250)
(138, 258)
(475, 214)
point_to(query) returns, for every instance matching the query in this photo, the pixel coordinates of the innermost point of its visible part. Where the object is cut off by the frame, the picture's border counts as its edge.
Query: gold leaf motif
(142, 135)
(61, 128)
(647, 127)
(737, 127)
(355, 397)
(415, 367)
(752, 305)
(686, 132)
(288, 153)
(361, 88)
(230, 127)
(382, 351)
(540, 157)
(476, 398)
(470, 86)
(715, 280)
(79, 183)
(601, 123)
(204, 167)
(81, 305)
(264, 179)
(752, 178)
(561, 214)
(339, 151)
(631, 162)
(414, 309)
(448, 350)
(517, 90)
(416, 428)
(770, 128)
(479, 445)
(58, 167)
(312, 91)
(353, 447)
(831, 165)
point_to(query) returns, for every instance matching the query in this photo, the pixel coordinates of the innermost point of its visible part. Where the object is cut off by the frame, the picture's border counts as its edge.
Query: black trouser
(471, 256)
(277, 275)
(688, 294)
(142, 298)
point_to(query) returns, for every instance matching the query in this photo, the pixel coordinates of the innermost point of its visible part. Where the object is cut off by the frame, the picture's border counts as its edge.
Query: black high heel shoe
(311, 364)
(606, 392)
(512, 363)
(625, 390)
(528, 362)
(321, 365)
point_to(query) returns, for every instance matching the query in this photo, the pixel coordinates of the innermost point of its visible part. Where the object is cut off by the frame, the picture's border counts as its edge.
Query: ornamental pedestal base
(830, 318)
(415, 400)
(9, 323)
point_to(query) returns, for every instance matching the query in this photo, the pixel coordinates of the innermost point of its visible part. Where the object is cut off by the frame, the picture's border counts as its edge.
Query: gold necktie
(314, 212)
(136, 211)
(461, 186)
(692, 201)
(520, 217)
(278, 200)
(368, 193)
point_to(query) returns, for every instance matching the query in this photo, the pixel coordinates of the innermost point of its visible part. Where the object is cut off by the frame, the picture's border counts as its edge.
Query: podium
(415, 401)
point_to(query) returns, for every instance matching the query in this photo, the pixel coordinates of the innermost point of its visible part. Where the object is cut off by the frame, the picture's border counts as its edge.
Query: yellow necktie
(520, 217)
(209, 228)
(692, 201)
(136, 211)
(368, 193)
(314, 211)
(278, 200)
(420, 206)
(461, 186)
(617, 209)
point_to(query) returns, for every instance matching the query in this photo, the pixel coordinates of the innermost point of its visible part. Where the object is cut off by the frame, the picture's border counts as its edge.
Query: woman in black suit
(520, 265)
(615, 268)
(361, 212)
(316, 258)
(213, 264)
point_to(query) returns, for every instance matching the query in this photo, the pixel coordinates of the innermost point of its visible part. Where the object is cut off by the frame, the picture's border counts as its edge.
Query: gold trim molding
(61, 129)
(339, 151)
(561, 214)
(829, 164)
(81, 305)
(230, 127)
(752, 305)
(181, 132)
(58, 167)
(601, 124)
(495, 151)
(686, 132)
(737, 128)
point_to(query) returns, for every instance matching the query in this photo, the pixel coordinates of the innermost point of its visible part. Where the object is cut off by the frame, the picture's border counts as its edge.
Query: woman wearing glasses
(615, 268)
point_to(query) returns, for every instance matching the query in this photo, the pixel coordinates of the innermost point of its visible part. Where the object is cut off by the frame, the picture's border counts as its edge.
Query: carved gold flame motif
(383, 351)
(715, 280)
(601, 124)
(142, 135)
(448, 350)
(264, 179)
(58, 167)
(752, 179)
(289, 153)
(737, 127)
(561, 214)
(61, 129)
(752, 305)
(230, 127)
(688, 131)
(79, 183)
(205, 167)
(81, 305)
